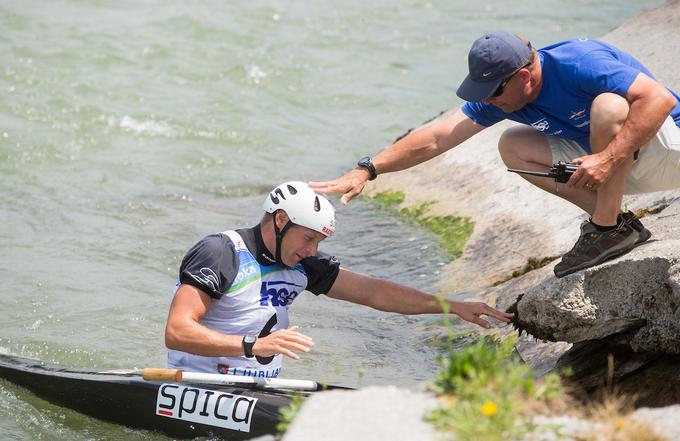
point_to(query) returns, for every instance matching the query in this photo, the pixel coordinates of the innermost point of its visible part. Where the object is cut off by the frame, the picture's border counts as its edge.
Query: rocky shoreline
(629, 307)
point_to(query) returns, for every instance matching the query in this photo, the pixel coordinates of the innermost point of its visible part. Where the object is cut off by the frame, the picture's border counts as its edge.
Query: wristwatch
(366, 163)
(247, 343)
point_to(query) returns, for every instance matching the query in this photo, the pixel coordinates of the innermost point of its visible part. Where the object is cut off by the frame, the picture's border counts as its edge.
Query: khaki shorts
(656, 169)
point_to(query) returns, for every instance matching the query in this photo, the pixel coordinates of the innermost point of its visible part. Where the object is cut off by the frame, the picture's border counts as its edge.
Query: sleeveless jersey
(256, 303)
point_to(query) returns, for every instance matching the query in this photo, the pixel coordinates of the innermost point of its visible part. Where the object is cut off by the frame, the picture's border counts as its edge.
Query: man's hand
(593, 171)
(472, 312)
(351, 184)
(283, 341)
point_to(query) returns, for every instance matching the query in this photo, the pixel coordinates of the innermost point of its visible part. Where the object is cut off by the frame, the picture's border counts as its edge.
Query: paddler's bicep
(189, 305)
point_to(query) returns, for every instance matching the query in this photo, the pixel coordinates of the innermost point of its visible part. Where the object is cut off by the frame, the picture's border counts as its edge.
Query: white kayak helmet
(303, 206)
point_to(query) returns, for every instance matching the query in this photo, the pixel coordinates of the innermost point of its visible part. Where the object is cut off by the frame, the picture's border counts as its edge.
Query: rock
(649, 379)
(561, 428)
(370, 414)
(663, 422)
(636, 296)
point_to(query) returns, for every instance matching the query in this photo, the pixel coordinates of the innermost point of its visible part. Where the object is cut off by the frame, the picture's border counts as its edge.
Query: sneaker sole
(613, 253)
(645, 234)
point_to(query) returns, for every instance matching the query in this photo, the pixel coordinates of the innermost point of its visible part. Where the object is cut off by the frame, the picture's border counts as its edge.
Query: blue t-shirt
(574, 73)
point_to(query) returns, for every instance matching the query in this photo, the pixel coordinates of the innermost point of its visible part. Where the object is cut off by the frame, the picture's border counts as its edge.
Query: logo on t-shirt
(541, 125)
(578, 114)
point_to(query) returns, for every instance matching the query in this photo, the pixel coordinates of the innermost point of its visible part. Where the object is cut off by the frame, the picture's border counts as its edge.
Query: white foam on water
(149, 127)
(255, 74)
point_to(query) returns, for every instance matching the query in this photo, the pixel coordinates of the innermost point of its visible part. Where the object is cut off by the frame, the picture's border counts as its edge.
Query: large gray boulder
(620, 319)
(636, 296)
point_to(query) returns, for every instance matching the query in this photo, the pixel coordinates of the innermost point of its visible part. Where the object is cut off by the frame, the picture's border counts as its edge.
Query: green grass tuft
(489, 394)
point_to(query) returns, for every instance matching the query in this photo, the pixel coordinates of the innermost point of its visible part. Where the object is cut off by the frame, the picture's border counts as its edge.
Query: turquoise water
(129, 130)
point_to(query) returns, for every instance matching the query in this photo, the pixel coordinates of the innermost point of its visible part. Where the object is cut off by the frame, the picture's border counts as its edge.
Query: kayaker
(229, 313)
(581, 100)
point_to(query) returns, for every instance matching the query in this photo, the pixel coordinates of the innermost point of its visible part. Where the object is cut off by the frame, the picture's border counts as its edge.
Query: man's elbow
(172, 339)
(669, 101)
(663, 100)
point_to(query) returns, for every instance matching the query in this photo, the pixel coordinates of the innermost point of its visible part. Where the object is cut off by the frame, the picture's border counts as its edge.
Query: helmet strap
(279, 237)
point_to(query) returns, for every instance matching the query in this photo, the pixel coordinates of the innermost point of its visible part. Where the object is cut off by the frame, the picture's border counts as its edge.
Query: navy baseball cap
(493, 57)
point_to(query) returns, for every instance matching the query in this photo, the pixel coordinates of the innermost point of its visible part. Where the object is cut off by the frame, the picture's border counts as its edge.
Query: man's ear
(281, 219)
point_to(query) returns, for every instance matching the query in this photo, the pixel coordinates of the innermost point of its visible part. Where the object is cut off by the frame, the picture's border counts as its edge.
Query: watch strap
(247, 343)
(367, 163)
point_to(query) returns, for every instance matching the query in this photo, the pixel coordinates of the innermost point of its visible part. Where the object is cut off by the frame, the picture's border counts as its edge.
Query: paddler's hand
(350, 185)
(472, 312)
(283, 341)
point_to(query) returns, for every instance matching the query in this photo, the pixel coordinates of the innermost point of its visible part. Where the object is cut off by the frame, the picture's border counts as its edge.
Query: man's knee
(521, 143)
(608, 113)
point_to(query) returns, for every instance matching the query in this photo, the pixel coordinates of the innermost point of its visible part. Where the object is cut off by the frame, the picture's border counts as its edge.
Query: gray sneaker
(634, 221)
(594, 247)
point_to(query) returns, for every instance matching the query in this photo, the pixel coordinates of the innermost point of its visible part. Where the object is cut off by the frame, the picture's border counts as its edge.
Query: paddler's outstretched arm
(418, 146)
(392, 297)
(184, 332)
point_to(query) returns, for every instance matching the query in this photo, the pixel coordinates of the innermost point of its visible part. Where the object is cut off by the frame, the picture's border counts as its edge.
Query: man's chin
(293, 262)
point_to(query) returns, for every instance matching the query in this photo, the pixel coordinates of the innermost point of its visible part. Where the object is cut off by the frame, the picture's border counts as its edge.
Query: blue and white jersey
(249, 297)
(574, 73)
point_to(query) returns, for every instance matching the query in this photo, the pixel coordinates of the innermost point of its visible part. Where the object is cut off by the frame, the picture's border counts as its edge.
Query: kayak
(180, 410)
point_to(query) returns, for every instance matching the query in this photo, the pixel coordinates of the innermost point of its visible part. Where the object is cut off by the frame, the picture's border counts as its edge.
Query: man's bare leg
(606, 235)
(525, 148)
(607, 115)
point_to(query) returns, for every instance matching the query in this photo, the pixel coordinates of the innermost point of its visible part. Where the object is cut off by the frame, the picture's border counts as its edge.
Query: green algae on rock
(454, 231)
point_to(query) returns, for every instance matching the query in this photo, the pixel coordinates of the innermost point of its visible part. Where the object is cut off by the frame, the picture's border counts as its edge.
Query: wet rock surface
(636, 296)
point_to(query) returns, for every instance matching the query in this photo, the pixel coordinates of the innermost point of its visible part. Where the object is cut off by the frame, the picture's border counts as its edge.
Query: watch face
(250, 339)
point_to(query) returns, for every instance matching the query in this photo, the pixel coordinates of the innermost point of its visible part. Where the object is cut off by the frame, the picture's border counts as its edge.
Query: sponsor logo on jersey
(207, 277)
(204, 406)
(541, 125)
(245, 271)
(578, 114)
(278, 293)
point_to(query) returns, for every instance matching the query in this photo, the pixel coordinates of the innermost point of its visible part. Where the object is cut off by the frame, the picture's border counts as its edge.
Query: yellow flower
(619, 424)
(489, 408)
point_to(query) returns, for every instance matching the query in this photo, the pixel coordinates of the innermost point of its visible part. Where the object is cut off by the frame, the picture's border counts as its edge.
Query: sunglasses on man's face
(501, 87)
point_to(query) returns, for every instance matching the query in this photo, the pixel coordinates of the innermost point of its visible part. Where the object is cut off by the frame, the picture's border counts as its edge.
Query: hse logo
(204, 406)
(541, 125)
(278, 293)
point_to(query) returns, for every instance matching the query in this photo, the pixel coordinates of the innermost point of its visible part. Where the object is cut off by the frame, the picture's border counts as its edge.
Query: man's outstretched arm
(418, 146)
(393, 297)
